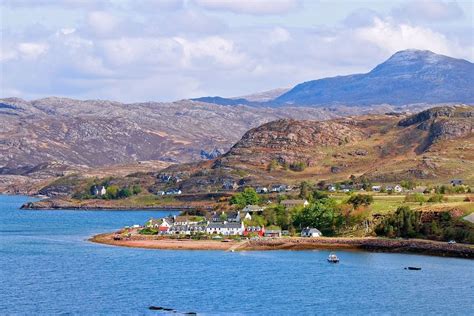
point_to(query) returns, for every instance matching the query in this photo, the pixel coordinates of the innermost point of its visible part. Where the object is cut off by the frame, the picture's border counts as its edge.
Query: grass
(384, 203)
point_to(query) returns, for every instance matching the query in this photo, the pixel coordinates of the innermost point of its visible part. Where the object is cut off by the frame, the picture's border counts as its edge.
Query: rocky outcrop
(290, 141)
(438, 112)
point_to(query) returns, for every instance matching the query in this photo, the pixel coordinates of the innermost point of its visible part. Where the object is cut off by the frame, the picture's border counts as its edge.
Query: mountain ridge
(407, 77)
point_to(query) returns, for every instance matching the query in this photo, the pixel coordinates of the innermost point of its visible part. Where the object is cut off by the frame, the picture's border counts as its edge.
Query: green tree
(112, 192)
(321, 214)
(305, 190)
(124, 193)
(360, 199)
(136, 189)
(248, 197)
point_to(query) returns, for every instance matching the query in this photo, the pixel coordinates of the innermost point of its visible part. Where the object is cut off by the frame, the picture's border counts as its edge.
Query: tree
(136, 189)
(248, 197)
(112, 192)
(360, 199)
(273, 165)
(124, 193)
(321, 214)
(415, 197)
(319, 195)
(305, 190)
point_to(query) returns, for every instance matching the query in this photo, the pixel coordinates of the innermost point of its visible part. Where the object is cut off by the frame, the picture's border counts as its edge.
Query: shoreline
(371, 244)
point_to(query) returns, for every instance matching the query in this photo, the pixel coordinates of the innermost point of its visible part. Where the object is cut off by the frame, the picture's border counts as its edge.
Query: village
(219, 224)
(271, 211)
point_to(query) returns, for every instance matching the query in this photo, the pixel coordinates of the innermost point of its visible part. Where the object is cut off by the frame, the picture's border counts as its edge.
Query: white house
(311, 232)
(253, 209)
(289, 204)
(261, 190)
(376, 188)
(99, 190)
(225, 228)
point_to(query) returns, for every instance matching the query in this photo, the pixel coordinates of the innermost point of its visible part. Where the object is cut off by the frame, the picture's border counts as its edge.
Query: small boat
(413, 268)
(333, 258)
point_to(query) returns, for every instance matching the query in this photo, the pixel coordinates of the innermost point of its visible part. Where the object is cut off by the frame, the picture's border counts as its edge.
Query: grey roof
(226, 225)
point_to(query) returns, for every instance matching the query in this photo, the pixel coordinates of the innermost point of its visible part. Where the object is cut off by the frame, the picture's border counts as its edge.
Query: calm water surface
(48, 267)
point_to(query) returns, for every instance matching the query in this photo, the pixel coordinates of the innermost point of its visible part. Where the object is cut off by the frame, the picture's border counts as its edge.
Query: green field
(384, 203)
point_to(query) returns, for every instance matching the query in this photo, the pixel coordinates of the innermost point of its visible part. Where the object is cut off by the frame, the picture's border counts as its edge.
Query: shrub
(415, 197)
(298, 166)
(136, 189)
(124, 193)
(360, 199)
(437, 198)
(148, 231)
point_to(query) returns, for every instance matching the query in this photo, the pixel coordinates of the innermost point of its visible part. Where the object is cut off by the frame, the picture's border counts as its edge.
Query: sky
(166, 50)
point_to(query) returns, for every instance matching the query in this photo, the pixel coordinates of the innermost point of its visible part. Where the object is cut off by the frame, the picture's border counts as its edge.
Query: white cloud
(102, 23)
(32, 51)
(393, 37)
(214, 49)
(279, 35)
(429, 10)
(256, 7)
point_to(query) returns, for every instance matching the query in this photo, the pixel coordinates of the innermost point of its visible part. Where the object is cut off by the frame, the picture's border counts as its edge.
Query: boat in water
(333, 258)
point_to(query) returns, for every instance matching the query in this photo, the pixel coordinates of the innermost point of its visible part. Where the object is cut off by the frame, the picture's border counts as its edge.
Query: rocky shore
(115, 205)
(418, 246)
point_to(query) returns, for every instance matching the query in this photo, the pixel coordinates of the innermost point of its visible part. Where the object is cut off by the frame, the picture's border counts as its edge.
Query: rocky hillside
(98, 133)
(433, 146)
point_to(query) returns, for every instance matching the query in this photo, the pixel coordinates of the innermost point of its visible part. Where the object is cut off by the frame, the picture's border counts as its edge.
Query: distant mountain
(409, 76)
(254, 99)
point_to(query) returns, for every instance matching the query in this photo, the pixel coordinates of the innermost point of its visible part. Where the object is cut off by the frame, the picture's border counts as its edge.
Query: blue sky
(164, 50)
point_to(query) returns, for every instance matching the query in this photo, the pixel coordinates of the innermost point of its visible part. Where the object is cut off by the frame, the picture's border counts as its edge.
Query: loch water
(48, 267)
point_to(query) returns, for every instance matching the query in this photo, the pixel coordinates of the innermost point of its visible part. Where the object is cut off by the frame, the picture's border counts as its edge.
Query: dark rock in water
(155, 308)
(413, 268)
(190, 313)
(159, 308)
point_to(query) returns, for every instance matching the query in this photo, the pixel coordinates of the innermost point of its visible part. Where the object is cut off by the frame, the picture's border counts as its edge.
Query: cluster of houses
(98, 190)
(231, 224)
(170, 192)
(224, 224)
(375, 188)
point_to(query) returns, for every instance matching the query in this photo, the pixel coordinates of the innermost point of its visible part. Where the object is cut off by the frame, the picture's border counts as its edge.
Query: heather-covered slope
(433, 146)
(97, 133)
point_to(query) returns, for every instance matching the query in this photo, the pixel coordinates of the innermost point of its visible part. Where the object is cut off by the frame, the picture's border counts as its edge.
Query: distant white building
(289, 204)
(376, 188)
(262, 190)
(253, 209)
(311, 232)
(332, 188)
(99, 190)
